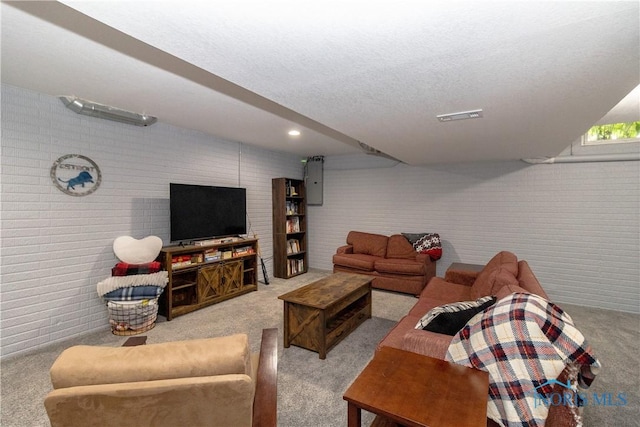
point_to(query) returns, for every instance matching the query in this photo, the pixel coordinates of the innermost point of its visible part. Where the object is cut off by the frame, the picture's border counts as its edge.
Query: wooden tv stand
(201, 275)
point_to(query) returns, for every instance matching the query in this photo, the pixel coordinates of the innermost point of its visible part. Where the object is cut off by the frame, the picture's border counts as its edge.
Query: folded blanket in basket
(160, 278)
(133, 293)
(124, 269)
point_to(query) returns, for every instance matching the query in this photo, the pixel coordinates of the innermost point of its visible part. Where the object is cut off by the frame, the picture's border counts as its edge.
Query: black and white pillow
(448, 319)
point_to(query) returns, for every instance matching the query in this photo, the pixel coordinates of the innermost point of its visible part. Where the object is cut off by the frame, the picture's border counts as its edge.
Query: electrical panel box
(314, 180)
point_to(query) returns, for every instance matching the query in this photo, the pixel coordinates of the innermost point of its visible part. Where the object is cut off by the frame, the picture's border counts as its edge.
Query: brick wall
(576, 224)
(55, 248)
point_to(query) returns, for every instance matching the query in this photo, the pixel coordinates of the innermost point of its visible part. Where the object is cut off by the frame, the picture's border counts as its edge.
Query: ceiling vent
(93, 109)
(473, 114)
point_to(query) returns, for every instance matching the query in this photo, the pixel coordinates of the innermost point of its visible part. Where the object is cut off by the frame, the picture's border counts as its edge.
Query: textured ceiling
(342, 72)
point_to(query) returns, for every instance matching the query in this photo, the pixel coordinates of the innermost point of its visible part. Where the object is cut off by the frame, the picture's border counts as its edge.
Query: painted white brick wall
(576, 224)
(55, 248)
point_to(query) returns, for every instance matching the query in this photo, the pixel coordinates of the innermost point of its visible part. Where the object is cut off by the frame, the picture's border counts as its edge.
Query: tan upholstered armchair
(203, 382)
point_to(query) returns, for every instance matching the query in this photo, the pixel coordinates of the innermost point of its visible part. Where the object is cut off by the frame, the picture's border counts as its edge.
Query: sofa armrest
(426, 343)
(265, 403)
(424, 258)
(346, 249)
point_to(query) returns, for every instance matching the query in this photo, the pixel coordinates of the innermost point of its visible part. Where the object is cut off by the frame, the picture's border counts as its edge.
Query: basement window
(614, 133)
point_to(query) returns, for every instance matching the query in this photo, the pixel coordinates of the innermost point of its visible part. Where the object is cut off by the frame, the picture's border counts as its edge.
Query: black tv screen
(202, 212)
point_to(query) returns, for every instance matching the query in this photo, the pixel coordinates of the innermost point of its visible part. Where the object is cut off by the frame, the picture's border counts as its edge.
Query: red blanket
(124, 269)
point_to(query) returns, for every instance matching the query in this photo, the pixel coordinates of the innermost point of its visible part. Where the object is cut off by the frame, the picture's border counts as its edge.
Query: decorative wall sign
(76, 175)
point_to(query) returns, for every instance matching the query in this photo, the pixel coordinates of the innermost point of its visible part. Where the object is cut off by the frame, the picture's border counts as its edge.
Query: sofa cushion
(448, 319)
(395, 336)
(357, 261)
(399, 266)
(484, 283)
(443, 292)
(422, 306)
(492, 284)
(504, 259)
(528, 280)
(368, 243)
(405, 283)
(399, 247)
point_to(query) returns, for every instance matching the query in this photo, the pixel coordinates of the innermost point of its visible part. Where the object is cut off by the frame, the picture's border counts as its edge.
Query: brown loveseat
(501, 276)
(392, 261)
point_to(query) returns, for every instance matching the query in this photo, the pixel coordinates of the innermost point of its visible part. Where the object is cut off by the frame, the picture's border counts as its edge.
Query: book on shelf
(295, 266)
(180, 261)
(293, 225)
(245, 250)
(292, 208)
(184, 260)
(212, 255)
(293, 246)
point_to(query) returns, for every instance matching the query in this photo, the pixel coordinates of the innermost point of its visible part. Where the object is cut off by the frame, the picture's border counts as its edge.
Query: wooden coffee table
(418, 391)
(319, 315)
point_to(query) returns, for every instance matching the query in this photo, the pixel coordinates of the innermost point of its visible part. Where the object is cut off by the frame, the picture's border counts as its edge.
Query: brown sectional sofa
(503, 271)
(392, 261)
(502, 275)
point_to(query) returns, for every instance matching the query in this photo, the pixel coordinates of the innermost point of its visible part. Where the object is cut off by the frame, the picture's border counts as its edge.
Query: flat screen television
(201, 212)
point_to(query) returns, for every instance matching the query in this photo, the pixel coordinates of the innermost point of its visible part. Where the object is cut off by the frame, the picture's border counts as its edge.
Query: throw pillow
(426, 243)
(137, 251)
(490, 282)
(448, 319)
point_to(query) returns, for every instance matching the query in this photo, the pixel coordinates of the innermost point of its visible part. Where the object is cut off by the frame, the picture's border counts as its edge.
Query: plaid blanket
(524, 342)
(124, 269)
(134, 293)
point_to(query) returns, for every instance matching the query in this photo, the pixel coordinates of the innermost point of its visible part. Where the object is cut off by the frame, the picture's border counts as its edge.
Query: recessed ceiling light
(294, 132)
(473, 114)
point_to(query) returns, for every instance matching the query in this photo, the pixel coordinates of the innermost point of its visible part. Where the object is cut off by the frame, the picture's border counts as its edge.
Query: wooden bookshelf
(289, 227)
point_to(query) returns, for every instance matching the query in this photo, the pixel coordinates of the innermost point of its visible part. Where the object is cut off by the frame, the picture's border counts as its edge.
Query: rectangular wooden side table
(319, 315)
(464, 274)
(461, 266)
(418, 391)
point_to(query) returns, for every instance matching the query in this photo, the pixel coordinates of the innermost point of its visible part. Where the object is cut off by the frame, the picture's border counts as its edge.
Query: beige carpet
(309, 389)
